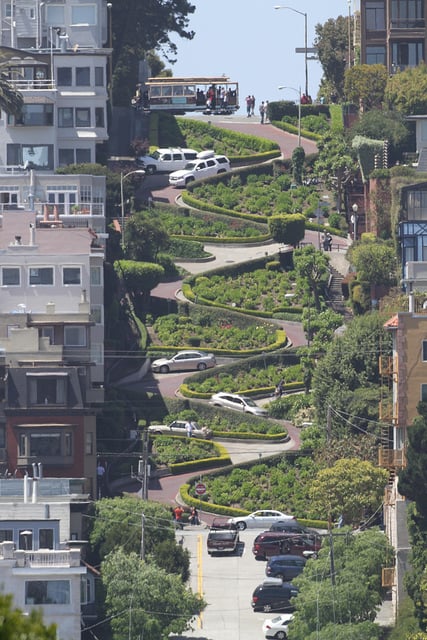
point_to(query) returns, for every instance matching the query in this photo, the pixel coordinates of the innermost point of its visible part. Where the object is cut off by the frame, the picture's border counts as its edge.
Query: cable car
(216, 95)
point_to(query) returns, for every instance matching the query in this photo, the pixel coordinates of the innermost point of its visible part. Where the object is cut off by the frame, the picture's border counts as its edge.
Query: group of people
(263, 112)
(178, 512)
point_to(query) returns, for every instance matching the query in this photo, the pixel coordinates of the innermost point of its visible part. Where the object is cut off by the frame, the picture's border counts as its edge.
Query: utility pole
(328, 424)
(142, 551)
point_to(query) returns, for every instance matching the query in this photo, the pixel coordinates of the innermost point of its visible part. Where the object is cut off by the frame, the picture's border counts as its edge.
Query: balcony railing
(46, 84)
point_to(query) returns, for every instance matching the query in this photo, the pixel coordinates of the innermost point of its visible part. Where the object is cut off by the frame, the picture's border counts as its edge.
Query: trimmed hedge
(290, 128)
(262, 392)
(262, 239)
(281, 341)
(222, 459)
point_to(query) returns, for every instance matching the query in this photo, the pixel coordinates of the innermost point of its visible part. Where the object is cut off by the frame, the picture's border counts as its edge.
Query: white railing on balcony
(51, 558)
(46, 84)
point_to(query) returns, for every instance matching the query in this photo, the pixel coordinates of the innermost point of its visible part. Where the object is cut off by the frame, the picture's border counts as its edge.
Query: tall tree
(145, 236)
(140, 26)
(144, 601)
(365, 85)
(332, 48)
(335, 165)
(311, 268)
(406, 91)
(374, 261)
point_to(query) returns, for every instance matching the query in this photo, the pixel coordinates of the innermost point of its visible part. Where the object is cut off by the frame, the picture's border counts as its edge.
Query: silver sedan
(184, 361)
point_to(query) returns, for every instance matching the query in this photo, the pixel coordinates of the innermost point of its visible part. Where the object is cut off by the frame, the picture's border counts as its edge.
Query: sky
(254, 44)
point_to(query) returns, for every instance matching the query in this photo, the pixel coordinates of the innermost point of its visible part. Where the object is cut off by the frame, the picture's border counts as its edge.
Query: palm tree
(10, 99)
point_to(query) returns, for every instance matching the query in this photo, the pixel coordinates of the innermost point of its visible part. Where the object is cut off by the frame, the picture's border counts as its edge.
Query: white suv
(207, 164)
(166, 160)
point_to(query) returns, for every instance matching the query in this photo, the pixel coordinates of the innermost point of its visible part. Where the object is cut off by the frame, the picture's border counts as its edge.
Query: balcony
(391, 458)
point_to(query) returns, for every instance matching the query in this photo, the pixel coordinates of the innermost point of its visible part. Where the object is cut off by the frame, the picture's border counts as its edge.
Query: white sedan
(277, 627)
(259, 519)
(184, 361)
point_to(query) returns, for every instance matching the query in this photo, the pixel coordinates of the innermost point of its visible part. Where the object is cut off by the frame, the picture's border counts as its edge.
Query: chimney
(50, 307)
(32, 234)
(26, 487)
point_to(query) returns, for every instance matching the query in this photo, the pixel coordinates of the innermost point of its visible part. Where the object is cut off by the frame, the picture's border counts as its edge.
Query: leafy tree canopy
(311, 269)
(332, 48)
(17, 626)
(289, 229)
(144, 237)
(406, 91)
(349, 488)
(413, 478)
(145, 601)
(335, 164)
(365, 85)
(139, 27)
(374, 261)
(350, 364)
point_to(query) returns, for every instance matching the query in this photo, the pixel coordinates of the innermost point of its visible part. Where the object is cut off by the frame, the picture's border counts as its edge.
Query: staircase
(422, 160)
(334, 294)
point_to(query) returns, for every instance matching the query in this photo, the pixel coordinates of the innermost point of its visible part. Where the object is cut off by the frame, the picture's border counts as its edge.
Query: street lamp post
(110, 45)
(355, 209)
(122, 201)
(302, 13)
(299, 109)
(349, 33)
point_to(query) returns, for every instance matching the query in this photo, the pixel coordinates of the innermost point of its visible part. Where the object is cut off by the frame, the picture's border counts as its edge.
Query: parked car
(258, 519)
(198, 169)
(184, 361)
(237, 402)
(275, 543)
(179, 428)
(222, 537)
(286, 567)
(273, 595)
(277, 627)
(166, 160)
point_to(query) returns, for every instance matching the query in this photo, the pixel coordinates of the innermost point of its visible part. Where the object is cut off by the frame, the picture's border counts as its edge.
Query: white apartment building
(57, 60)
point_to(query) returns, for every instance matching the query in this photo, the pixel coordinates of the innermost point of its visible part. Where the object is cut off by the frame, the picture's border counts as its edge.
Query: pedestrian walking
(194, 516)
(248, 106)
(178, 513)
(252, 105)
(189, 427)
(266, 120)
(329, 241)
(279, 388)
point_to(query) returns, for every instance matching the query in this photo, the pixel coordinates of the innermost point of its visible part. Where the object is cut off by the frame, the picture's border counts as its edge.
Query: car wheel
(267, 608)
(222, 171)
(164, 369)
(150, 170)
(279, 575)
(241, 525)
(281, 635)
(201, 366)
(188, 180)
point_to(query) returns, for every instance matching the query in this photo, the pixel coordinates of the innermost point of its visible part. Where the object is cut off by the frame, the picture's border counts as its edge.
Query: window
(47, 592)
(46, 539)
(99, 117)
(82, 117)
(96, 276)
(71, 275)
(375, 16)
(48, 332)
(41, 275)
(89, 439)
(407, 54)
(2, 436)
(47, 390)
(82, 156)
(424, 350)
(25, 539)
(416, 205)
(375, 55)
(32, 156)
(99, 76)
(407, 14)
(82, 76)
(75, 336)
(6, 535)
(424, 393)
(55, 15)
(66, 117)
(45, 445)
(36, 115)
(64, 76)
(84, 14)
(10, 276)
(65, 157)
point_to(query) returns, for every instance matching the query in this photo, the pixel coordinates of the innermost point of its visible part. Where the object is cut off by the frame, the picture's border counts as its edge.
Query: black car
(274, 595)
(285, 567)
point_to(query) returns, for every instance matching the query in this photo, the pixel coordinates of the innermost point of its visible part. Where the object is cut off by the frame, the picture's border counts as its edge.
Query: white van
(166, 160)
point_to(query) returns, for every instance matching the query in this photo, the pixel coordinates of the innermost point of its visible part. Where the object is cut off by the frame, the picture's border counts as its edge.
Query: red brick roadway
(166, 490)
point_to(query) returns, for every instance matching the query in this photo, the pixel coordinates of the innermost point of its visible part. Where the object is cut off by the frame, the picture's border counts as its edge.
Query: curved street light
(302, 13)
(122, 202)
(299, 109)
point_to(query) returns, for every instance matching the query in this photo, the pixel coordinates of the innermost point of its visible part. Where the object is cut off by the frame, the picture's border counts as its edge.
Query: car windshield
(155, 155)
(249, 402)
(190, 165)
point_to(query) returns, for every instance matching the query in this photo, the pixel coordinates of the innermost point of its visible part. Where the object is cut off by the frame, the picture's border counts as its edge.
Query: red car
(275, 543)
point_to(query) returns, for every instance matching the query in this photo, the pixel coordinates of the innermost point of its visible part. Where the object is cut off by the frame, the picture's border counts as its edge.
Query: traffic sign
(200, 488)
